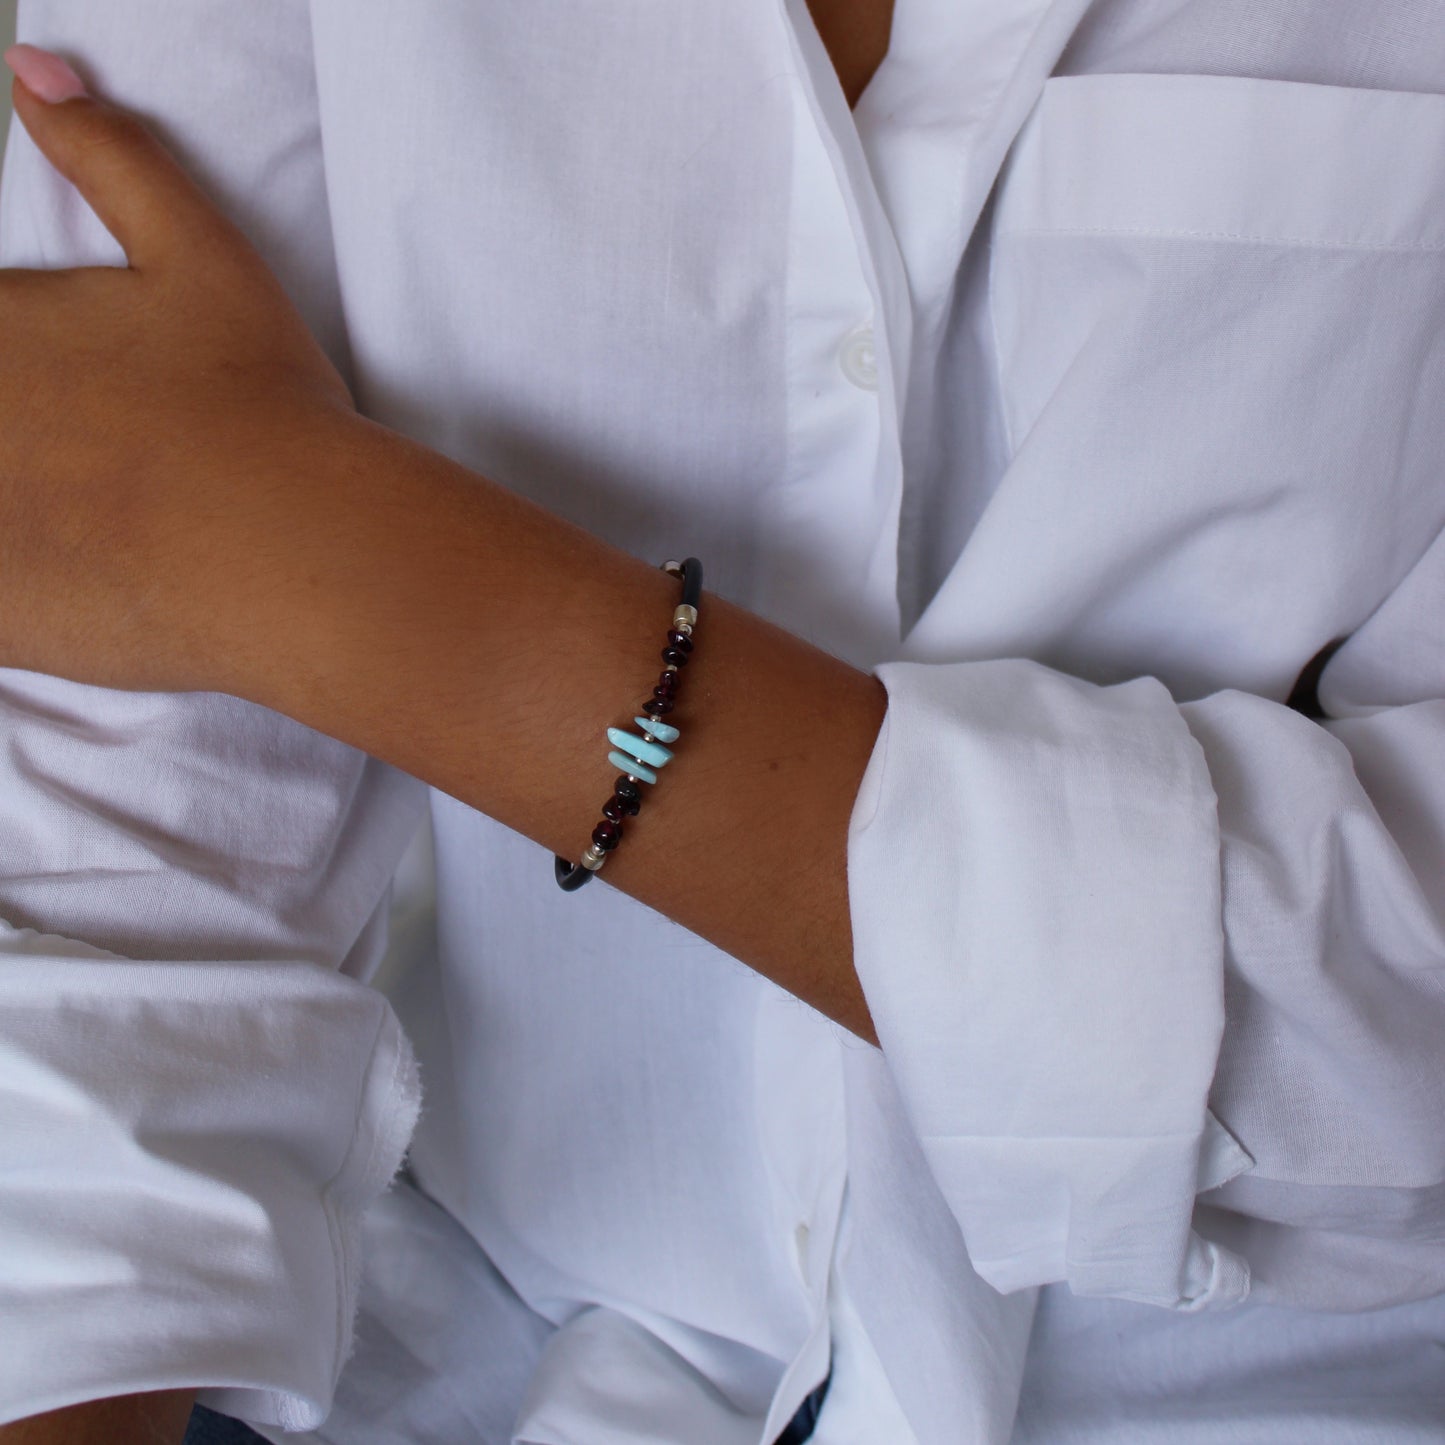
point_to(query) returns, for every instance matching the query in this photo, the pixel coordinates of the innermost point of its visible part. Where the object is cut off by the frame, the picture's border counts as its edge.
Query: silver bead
(684, 616)
(671, 667)
(593, 858)
(674, 567)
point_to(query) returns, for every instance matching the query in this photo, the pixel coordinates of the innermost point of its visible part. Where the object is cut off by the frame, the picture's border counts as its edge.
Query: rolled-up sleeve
(186, 1153)
(1034, 877)
(1164, 985)
(1157, 959)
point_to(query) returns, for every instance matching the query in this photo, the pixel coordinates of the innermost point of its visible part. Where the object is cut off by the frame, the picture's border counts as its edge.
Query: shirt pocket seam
(1166, 233)
(1229, 159)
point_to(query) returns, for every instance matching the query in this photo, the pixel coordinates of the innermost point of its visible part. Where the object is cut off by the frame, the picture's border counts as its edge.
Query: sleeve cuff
(1034, 881)
(186, 1153)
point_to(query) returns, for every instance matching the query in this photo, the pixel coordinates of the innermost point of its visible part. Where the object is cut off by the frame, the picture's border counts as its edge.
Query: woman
(1063, 357)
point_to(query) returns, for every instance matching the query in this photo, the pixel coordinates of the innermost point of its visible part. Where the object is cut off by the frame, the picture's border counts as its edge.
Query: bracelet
(640, 757)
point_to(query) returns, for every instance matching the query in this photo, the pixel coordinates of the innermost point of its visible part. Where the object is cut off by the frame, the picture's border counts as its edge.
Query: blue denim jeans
(208, 1428)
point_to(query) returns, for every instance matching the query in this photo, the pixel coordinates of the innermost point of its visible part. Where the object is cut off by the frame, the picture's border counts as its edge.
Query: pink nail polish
(47, 75)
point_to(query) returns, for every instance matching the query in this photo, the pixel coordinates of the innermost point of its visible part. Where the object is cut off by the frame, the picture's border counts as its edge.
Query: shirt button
(858, 358)
(801, 1235)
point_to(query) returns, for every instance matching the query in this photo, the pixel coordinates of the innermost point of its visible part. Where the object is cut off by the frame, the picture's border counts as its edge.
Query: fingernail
(47, 75)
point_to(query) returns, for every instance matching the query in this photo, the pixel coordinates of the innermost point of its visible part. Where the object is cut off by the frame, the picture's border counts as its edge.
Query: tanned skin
(856, 35)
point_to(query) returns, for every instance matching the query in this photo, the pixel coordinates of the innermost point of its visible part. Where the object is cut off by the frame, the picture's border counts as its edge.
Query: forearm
(154, 1419)
(437, 621)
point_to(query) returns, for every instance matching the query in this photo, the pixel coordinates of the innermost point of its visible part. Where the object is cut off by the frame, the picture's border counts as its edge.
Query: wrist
(382, 558)
(442, 624)
(269, 575)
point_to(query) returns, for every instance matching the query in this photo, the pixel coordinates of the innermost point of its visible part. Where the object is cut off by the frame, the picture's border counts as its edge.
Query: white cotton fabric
(142, 1187)
(1154, 291)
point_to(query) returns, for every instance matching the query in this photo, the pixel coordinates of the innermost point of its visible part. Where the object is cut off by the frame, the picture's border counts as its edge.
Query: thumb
(132, 183)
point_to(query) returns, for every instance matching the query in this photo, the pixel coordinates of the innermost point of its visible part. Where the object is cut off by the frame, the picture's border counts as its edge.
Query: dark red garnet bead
(666, 682)
(614, 810)
(680, 640)
(607, 835)
(667, 694)
(658, 706)
(624, 787)
(675, 655)
(629, 806)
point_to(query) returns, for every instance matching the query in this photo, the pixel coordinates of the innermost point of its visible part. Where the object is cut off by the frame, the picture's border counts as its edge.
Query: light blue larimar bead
(632, 767)
(652, 753)
(663, 732)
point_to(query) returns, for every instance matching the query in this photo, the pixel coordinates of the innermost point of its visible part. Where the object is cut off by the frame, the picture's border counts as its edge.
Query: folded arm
(193, 1076)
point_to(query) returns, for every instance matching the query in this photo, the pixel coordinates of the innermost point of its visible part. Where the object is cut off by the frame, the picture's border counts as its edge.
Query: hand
(148, 413)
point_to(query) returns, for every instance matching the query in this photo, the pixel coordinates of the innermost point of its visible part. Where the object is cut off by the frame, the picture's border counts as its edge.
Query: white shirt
(1085, 381)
